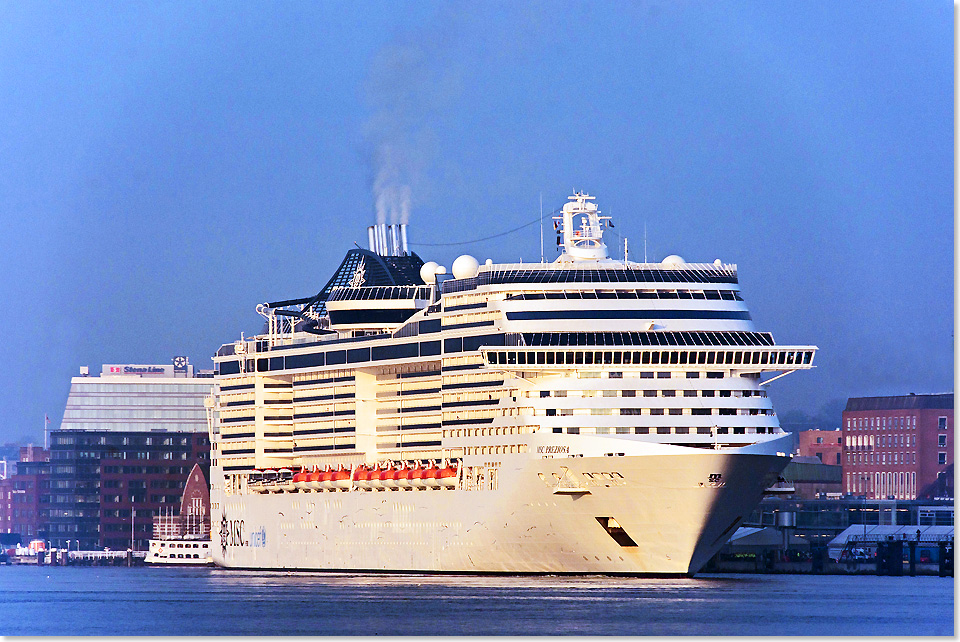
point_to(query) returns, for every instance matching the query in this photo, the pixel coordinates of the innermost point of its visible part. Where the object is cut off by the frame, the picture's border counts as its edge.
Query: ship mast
(585, 243)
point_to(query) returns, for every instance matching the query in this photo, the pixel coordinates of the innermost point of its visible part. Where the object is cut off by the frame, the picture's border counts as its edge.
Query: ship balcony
(753, 359)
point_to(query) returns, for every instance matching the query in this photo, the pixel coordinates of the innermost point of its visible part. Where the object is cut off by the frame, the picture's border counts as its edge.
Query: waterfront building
(127, 443)
(826, 445)
(20, 494)
(898, 447)
(810, 478)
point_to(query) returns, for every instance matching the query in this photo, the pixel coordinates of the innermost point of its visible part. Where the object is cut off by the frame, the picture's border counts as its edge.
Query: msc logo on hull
(232, 533)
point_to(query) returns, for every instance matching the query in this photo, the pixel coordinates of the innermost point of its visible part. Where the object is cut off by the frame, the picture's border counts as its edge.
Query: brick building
(21, 506)
(127, 443)
(898, 447)
(827, 445)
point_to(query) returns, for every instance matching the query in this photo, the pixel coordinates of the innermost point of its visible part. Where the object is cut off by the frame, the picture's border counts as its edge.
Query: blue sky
(167, 166)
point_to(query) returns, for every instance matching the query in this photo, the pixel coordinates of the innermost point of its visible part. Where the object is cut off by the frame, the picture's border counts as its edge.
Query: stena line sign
(136, 369)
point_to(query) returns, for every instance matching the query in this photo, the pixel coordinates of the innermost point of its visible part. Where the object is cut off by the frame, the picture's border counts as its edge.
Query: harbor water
(204, 601)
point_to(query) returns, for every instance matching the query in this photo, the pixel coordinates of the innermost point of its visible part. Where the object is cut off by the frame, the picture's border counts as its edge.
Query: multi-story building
(898, 447)
(21, 493)
(826, 445)
(127, 443)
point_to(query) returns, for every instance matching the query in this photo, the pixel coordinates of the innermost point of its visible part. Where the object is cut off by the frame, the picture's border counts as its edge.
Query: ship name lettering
(553, 449)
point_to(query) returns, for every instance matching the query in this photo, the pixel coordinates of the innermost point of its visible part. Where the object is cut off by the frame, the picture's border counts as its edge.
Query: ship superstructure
(584, 415)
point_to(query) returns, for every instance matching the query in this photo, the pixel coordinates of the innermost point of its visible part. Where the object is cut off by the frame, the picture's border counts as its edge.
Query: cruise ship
(586, 415)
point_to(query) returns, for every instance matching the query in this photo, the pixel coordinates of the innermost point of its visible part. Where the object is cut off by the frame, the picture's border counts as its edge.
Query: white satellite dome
(428, 272)
(673, 259)
(465, 267)
(441, 269)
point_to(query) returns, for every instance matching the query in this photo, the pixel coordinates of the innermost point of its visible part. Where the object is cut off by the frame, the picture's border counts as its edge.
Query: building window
(819, 441)
(941, 458)
(942, 441)
(941, 423)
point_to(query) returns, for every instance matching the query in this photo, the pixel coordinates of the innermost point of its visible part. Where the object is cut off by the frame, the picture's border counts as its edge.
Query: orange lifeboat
(388, 478)
(416, 477)
(300, 480)
(360, 476)
(326, 479)
(341, 479)
(313, 479)
(430, 476)
(447, 476)
(403, 478)
(373, 479)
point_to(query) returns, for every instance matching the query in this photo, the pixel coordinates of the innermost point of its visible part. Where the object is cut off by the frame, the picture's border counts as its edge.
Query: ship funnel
(388, 240)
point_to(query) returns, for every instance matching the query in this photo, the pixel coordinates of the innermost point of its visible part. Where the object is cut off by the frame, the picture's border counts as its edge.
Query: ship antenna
(541, 227)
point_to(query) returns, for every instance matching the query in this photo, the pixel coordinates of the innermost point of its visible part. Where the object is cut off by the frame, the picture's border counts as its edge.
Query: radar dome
(673, 259)
(428, 272)
(441, 269)
(465, 267)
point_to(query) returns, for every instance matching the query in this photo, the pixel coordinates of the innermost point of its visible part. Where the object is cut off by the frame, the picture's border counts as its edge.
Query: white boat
(179, 552)
(586, 415)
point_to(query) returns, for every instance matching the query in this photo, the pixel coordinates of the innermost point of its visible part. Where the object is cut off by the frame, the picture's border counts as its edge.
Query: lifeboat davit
(430, 477)
(341, 479)
(447, 476)
(300, 480)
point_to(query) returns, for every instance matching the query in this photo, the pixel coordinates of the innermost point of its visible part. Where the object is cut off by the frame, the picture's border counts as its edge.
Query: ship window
(676, 411)
(550, 358)
(739, 431)
(646, 375)
(662, 430)
(628, 393)
(669, 393)
(703, 430)
(689, 393)
(649, 393)
(656, 411)
(683, 431)
(617, 358)
(573, 431)
(723, 430)
(693, 375)
(714, 375)
(663, 375)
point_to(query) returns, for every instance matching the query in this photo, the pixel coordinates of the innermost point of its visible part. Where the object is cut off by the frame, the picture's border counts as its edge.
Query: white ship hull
(665, 503)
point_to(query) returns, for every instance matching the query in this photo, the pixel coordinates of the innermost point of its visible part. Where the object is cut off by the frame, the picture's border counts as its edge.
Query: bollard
(913, 558)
